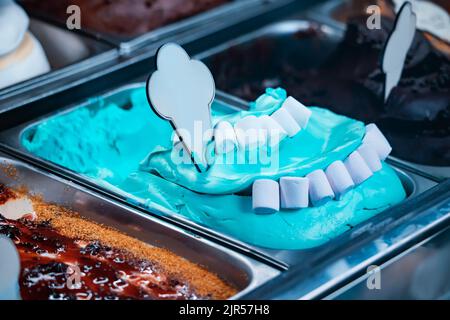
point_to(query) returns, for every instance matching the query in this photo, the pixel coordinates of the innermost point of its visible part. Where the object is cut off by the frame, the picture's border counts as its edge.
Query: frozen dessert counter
(130, 253)
(336, 66)
(102, 135)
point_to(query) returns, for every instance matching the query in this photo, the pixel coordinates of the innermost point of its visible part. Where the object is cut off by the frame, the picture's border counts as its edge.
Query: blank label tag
(397, 47)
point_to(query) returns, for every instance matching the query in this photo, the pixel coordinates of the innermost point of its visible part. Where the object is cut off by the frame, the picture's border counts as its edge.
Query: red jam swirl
(51, 264)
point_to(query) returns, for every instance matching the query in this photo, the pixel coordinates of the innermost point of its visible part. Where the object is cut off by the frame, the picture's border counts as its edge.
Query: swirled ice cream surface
(126, 147)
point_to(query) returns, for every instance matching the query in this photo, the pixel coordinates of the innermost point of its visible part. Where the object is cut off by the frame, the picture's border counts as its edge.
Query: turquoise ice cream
(125, 146)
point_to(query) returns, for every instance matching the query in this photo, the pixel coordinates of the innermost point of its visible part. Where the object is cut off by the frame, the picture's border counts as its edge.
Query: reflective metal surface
(422, 272)
(314, 273)
(435, 173)
(11, 140)
(241, 271)
(63, 47)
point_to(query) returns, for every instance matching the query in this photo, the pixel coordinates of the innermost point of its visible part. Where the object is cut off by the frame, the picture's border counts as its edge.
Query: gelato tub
(119, 144)
(123, 18)
(117, 249)
(132, 24)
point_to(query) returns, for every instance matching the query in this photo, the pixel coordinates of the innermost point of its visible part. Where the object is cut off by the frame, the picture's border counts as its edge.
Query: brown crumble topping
(9, 170)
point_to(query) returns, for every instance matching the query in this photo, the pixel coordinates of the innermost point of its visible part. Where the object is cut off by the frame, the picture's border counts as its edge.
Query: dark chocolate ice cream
(416, 117)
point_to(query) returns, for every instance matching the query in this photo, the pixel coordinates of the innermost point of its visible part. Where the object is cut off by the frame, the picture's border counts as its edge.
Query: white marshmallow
(294, 192)
(13, 25)
(358, 168)
(320, 190)
(274, 132)
(371, 157)
(298, 111)
(16, 209)
(286, 121)
(249, 133)
(266, 196)
(225, 137)
(376, 139)
(339, 178)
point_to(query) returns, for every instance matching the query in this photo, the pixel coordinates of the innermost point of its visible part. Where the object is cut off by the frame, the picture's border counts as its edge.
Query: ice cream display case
(344, 181)
(34, 51)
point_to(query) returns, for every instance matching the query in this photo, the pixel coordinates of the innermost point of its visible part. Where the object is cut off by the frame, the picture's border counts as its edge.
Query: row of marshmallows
(321, 186)
(251, 131)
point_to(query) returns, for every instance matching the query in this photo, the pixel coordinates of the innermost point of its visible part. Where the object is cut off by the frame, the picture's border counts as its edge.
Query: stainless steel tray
(243, 272)
(407, 276)
(10, 140)
(292, 41)
(261, 47)
(208, 21)
(371, 244)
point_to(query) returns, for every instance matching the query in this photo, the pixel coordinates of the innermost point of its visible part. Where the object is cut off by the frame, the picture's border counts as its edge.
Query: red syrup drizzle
(49, 258)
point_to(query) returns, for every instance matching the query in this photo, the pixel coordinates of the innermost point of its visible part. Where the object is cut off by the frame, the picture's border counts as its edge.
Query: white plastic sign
(182, 91)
